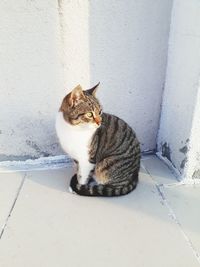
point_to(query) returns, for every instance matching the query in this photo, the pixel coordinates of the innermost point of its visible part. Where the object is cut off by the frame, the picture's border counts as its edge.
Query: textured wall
(47, 47)
(30, 78)
(179, 133)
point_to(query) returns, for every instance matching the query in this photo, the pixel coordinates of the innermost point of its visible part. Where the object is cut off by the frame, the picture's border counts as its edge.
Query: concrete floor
(42, 224)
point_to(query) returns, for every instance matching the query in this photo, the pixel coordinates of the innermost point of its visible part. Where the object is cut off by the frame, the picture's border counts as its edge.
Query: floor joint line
(13, 205)
(172, 214)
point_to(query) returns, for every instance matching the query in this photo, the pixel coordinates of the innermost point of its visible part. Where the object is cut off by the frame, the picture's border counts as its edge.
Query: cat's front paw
(82, 180)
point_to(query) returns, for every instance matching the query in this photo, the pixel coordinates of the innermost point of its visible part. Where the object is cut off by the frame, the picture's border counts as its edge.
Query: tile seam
(13, 205)
(172, 215)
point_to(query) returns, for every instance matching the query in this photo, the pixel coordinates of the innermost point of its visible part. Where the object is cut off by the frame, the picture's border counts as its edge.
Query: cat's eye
(100, 112)
(89, 114)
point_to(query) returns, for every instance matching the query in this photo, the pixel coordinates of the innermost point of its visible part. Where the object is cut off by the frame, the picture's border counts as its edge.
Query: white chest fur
(74, 139)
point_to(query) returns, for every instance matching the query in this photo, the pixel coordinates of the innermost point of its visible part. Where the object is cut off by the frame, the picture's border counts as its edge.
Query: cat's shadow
(144, 198)
(143, 201)
(58, 179)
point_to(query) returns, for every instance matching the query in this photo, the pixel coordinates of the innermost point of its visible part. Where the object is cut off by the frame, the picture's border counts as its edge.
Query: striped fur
(113, 149)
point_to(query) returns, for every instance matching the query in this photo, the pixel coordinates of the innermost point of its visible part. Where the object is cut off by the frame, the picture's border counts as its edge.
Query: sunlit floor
(42, 224)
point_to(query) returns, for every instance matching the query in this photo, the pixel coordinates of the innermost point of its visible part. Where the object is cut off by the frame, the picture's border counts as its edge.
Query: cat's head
(82, 107)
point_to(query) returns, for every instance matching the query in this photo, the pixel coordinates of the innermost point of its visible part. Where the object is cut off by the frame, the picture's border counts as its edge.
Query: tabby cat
(105, 148)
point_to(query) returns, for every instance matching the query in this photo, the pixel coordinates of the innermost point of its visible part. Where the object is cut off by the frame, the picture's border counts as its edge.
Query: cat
(104, 147)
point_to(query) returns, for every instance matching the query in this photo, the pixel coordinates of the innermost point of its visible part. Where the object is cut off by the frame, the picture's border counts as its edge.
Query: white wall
(179, 135)
(30, 78)
(46, 48)
(122, 44)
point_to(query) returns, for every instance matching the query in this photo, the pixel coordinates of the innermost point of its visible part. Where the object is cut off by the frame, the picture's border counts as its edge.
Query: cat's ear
(92, 91)
(76, 95)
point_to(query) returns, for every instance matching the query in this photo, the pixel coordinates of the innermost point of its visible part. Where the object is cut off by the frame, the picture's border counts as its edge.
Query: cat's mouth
(95, 125)
(98, 125)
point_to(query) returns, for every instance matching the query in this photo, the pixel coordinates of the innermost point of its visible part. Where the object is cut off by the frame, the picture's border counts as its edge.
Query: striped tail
(107, 190)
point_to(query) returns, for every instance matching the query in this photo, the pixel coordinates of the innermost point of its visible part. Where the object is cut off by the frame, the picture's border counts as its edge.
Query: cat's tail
(106, 190)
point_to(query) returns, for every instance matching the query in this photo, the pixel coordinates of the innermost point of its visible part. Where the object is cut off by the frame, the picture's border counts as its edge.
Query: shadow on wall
(128, 54)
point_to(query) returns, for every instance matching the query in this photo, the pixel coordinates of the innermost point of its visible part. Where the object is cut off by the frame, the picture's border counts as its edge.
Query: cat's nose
(98, 120)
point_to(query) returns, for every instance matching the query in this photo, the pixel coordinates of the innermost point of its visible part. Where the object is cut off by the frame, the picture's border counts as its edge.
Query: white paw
(83, 181)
